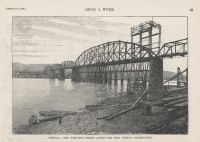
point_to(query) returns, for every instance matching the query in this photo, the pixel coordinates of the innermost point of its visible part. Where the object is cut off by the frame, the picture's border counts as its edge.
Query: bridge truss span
(116, 60)
(114, 52)
(138, 61)
(67, 64)
(174, 48)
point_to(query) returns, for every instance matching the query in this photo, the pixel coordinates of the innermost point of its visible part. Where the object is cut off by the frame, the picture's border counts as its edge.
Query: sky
(49, 40)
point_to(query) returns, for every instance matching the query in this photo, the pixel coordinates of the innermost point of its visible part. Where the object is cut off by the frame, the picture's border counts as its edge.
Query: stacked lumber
(177, 90)
(169, 102)
(176, 108)
(163, 123)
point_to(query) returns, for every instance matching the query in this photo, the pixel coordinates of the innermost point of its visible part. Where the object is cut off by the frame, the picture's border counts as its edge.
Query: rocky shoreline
(87, 122)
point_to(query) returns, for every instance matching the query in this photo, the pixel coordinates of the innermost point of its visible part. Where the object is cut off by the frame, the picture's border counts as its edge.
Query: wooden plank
(170, 104)
(104, 116)
(154, 103)
(122, 112)
(177, 90)
(92, 106)
(169, 99)
(103, 107)
(184, 104)
(172, 111)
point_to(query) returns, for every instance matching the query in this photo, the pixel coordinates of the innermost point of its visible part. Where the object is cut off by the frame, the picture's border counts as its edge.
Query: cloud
(59, 32)
(55, 39)
(63, 22)
(90, 26)
(25, 55)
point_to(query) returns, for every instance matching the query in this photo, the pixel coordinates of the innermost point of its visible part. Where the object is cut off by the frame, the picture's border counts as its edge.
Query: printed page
(99, 71)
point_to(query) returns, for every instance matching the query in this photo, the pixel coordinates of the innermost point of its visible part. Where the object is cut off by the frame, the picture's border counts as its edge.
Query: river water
(33, 95)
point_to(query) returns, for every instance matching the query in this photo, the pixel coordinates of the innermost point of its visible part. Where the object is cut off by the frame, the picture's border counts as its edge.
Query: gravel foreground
(86, 122)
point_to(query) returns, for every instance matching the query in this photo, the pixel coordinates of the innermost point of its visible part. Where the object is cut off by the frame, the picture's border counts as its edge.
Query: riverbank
(87, 122)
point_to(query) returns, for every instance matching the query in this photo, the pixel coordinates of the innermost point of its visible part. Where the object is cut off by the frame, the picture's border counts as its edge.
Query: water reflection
(33, 95)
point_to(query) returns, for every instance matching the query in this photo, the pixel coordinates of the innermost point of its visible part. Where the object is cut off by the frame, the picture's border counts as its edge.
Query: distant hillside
(18, 67)
(168, 74)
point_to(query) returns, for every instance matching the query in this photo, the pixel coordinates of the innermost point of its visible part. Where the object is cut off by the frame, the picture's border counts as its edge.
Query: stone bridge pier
(51, 74)
(75, 74)
(61, 74)
(155, 79)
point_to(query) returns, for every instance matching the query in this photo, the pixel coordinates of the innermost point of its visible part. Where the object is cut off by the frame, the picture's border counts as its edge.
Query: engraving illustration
(99, 75)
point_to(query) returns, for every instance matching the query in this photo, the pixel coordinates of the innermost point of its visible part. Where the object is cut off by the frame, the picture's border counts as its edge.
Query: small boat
(56, 113)
(45, 116)
(89, 107)
(45, 119)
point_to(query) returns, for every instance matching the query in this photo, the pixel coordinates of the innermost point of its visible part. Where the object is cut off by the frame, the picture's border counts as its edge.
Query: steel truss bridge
(140, 60)
(122, 60)
(58, 70)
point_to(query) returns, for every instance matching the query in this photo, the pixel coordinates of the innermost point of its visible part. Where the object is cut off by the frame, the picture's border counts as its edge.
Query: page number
(191, 9)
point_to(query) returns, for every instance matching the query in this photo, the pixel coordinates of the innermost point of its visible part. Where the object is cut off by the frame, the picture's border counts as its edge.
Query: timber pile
(131, 106)
(176, 108)
(135, 105)
(103, 106)
(169, 102)
(164, 123)
(182, 90)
